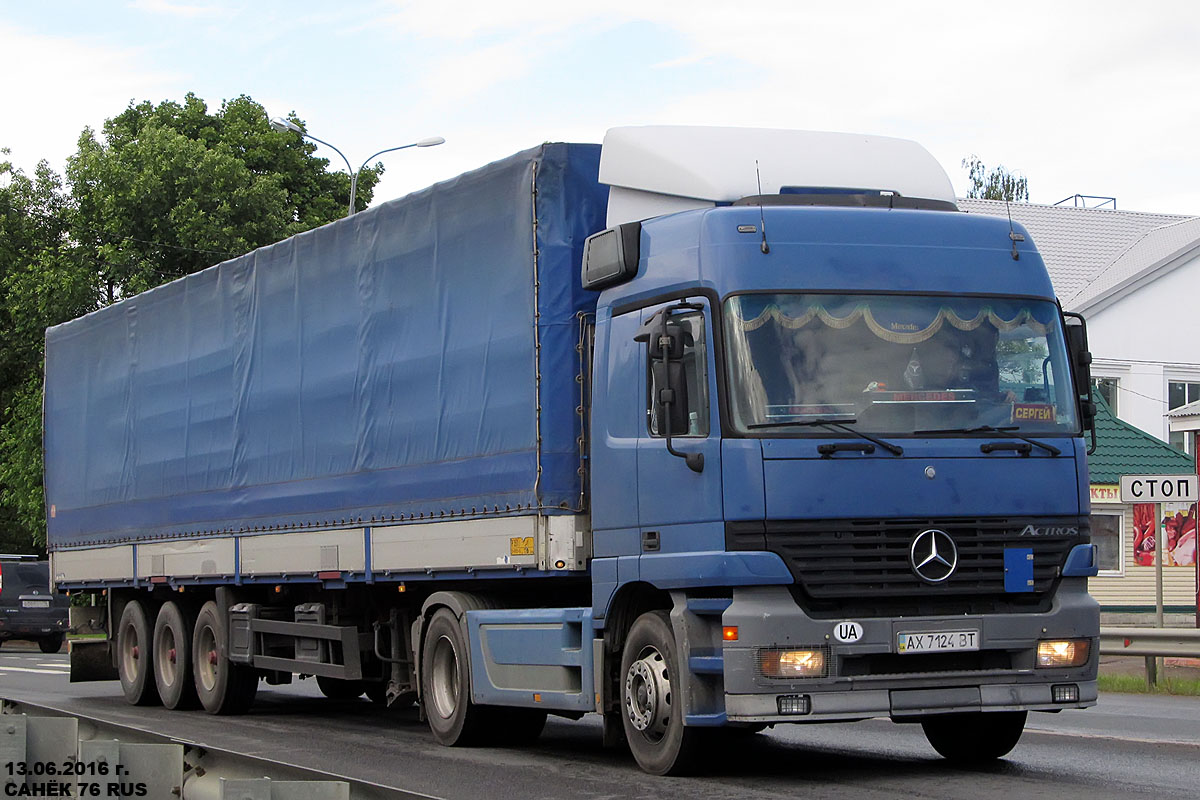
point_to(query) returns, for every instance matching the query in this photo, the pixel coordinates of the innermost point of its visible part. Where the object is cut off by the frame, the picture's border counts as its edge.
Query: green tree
(999, 184)
(42, 282)
(169, 189)
(161, 192)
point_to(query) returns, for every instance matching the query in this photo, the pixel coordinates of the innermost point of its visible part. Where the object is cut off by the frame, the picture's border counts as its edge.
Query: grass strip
(1136, 684)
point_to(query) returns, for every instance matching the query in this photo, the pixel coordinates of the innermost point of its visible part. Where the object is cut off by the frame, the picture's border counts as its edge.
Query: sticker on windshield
(1033, 412)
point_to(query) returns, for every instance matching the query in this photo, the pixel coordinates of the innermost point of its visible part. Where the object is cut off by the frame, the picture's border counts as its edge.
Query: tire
(650, 715)
(135, 659)
(446, 685)
(336, 689)
(173, 657)
(222, 686)
(976, 737)
(51, 644)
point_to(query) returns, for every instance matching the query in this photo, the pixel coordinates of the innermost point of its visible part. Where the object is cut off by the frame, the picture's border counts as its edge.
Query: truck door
(679, 507)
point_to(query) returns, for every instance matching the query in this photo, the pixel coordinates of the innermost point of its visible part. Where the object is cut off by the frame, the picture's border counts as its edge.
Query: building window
(1180, 393)
(1107, 388)
(1108, 534)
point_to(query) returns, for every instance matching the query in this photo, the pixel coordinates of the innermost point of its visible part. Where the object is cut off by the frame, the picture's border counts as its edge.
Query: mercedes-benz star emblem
(933, 555)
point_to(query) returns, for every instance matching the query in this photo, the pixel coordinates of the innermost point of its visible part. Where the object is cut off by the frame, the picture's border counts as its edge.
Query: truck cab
(838, 432)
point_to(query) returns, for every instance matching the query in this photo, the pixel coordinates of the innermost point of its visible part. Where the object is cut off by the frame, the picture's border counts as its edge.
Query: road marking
(39, 671)
(1113, 737)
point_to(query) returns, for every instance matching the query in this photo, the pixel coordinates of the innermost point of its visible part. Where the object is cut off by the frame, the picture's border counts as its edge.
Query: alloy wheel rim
(648, 694)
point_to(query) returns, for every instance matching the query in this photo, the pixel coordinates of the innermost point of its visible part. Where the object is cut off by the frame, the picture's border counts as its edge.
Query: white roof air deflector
(657, 170)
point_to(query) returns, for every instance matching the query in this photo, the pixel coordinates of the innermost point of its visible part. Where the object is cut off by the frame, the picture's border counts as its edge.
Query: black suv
(28, 609)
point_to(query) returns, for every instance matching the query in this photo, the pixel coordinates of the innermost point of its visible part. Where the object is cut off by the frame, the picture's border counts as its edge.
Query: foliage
(40, 284)
(999, 184)
(169, 189)
(21, 456)
(161, 192)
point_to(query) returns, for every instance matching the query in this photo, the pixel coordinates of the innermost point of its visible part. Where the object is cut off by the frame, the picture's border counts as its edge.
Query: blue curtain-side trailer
(702, 430)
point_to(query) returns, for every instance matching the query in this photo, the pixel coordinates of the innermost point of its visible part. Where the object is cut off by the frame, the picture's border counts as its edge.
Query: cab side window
(695, 370)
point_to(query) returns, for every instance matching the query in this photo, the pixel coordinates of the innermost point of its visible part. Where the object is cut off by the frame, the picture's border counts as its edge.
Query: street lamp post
(281, 124)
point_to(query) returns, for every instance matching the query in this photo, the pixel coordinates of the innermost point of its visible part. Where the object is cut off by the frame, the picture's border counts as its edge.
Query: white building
(1134, 276)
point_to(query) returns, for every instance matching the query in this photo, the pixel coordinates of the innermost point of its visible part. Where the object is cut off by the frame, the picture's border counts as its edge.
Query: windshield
(897, 364)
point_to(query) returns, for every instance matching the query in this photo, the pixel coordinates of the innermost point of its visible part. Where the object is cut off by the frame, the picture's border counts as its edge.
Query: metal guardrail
(1151, 643)
(61, 753)
(1168, 642)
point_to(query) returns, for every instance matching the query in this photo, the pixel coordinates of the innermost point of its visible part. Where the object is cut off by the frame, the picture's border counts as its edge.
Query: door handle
(650, 542)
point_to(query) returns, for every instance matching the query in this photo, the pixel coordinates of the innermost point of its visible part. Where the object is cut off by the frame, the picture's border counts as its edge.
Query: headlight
(1063, 653)
(792, 663)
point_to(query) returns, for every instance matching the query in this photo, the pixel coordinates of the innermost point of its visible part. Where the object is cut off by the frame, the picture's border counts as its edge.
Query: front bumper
(867, 678)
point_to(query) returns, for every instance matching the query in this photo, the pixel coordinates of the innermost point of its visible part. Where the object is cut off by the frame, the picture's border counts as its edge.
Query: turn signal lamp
(729, 633)
(792, 663)
(1063, 653)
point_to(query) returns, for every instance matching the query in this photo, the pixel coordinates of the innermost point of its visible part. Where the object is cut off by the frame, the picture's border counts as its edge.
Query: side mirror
(1081, 368)
(671, 395)
(611, 256)
(665, 342)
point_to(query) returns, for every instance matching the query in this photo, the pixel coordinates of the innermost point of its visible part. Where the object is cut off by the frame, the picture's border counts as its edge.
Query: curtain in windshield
(898, 364)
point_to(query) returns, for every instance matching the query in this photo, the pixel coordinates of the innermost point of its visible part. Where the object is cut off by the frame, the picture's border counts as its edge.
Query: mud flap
(91, 661)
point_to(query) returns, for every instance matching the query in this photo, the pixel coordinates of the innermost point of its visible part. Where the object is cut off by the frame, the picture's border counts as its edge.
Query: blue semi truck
(703, 430)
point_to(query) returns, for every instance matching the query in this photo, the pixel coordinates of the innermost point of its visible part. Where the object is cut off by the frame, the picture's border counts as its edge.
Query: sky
(1092, 98)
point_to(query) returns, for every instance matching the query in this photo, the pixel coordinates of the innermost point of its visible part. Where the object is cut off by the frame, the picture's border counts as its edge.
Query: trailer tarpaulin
(380, 366)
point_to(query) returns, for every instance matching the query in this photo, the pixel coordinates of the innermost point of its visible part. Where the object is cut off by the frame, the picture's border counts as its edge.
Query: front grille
(863, 567)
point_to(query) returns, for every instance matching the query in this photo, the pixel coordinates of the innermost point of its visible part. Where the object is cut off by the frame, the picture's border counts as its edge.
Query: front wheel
(974, 737)
(446, 686)
(652, 711)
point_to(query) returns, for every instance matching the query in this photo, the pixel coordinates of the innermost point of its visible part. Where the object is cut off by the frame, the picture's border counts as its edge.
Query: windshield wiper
(1005, 431)
(843, 425)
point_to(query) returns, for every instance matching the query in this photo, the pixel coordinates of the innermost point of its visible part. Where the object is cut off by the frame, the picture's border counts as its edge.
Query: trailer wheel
(336, 689)
(446, 685)
(173, 657)
(974, 737)
(51, 644)
(223, 687)
(652, 714)
(135, 660)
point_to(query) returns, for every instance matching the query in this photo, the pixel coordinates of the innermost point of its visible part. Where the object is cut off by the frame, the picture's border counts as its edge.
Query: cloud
(57, 86)
(175, 9)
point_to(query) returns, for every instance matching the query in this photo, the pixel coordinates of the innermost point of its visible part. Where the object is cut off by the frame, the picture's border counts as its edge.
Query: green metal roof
(1122, 449)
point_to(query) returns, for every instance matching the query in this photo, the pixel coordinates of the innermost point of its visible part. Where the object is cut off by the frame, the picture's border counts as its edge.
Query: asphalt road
(1127, 745)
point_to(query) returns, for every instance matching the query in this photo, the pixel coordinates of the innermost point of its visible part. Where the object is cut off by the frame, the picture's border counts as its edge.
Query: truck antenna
(766, 248)
(1013, 236)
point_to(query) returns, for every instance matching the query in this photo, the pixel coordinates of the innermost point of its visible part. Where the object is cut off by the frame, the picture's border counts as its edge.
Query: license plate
(937, 641)
(35, 603)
